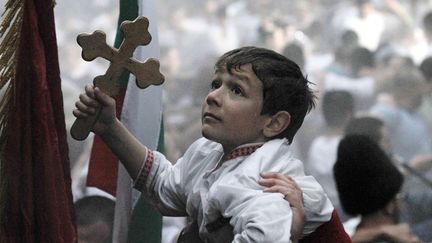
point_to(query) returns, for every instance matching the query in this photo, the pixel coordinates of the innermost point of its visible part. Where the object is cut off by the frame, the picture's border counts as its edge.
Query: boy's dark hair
(284, 86)
(367, 125)
(337, 107)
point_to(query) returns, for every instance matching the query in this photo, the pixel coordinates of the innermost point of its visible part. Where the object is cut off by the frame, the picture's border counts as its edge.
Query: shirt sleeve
(161, 183)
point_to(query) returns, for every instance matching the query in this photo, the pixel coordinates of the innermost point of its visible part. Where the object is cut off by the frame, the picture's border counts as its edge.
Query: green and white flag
(135, 219)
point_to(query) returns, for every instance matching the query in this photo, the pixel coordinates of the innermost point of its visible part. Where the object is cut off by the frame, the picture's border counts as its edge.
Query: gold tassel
(10, 30)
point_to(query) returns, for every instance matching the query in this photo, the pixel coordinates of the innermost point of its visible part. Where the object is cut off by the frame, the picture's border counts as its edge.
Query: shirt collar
(243, 150)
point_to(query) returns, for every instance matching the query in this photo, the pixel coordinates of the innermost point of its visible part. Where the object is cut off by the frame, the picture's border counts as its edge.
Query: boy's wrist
(110, 129)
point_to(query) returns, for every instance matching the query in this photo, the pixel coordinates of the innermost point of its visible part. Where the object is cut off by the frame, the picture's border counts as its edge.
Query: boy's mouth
(211, 116)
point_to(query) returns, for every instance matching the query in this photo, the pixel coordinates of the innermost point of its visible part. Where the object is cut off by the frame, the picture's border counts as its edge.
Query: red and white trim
(144, 171)
(242, 151)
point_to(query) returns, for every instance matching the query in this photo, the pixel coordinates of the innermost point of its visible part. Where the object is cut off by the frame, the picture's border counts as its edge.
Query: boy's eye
(215, 84)
(237, 90)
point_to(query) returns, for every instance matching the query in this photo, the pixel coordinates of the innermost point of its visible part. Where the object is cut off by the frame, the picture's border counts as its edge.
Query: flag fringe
(10, 30)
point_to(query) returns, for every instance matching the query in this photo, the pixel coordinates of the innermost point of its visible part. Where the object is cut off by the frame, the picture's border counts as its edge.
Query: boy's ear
(277, 124)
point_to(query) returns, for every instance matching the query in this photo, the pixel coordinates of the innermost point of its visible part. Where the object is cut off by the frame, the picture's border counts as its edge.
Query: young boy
(257, 102)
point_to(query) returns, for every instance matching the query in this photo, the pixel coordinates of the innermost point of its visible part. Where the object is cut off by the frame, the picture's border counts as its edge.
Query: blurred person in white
(221, 29)
(337, 108)
(188, 33)
(347, 42)
(368, 22)
(374, 21)
(275, 32)
(409, 134)
(389, 58)
(358, 78)
(351, 70)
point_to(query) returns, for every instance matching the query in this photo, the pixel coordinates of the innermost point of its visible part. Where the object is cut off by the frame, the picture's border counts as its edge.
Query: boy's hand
(277, 182)
(88, 104)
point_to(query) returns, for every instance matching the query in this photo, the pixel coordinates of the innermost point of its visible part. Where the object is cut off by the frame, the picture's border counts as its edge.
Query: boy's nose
(214, 97)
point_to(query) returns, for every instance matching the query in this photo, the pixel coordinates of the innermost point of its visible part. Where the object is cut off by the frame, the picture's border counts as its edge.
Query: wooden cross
(146, 73)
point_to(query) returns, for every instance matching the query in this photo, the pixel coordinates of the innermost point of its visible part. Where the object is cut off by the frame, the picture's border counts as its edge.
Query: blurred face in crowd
(411, 97)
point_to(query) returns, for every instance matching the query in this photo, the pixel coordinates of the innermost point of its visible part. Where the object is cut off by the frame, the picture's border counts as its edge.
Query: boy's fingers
(78, 114)
(87, 100)
(89, 89)
(84, 108)
(105, 99)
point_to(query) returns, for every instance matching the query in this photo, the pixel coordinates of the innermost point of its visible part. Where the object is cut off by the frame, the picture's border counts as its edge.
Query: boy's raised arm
(116, 136)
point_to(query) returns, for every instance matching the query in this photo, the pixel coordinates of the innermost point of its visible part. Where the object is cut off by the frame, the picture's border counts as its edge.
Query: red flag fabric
(39, 205)
(103, 166)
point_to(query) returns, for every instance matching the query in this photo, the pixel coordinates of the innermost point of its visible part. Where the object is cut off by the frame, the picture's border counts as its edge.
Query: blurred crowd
(364, 58)
(356, 46)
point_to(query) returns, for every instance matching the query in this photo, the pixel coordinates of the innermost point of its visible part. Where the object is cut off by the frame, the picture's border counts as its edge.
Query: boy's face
(231, 113)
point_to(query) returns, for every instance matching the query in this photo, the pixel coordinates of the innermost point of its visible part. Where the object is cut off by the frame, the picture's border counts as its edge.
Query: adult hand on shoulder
(88, 104)
(277, 182)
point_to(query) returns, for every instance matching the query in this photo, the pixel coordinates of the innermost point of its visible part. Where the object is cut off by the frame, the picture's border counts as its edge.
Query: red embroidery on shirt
(242, 151)
(145, 171)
